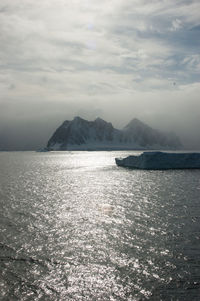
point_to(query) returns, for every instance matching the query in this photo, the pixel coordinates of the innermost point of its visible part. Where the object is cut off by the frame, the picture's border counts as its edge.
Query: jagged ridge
(81, 134)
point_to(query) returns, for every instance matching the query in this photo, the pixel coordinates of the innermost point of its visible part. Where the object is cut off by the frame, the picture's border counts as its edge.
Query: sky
(114, 59)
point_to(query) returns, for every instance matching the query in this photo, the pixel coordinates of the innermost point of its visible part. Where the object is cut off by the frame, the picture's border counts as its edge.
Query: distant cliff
(81, 134)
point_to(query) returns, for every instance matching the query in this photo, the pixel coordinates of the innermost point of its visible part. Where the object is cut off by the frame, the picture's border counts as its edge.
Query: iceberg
(161, 160)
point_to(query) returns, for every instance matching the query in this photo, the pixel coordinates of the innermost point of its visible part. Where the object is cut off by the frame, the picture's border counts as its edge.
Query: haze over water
(74, 226)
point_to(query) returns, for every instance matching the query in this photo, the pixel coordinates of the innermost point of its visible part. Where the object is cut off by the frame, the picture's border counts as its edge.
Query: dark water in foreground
(74, 226)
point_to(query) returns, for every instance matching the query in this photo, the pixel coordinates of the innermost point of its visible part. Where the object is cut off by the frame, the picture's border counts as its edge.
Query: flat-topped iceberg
(161, 160)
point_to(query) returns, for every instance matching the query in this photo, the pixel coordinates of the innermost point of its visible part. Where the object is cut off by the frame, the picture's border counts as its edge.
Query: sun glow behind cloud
(136, 58)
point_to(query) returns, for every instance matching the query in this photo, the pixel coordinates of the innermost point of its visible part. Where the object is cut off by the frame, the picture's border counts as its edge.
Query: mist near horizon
(117, 61)
(35, 135)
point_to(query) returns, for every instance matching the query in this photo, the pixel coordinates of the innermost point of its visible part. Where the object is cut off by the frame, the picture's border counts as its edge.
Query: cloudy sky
(116, 59)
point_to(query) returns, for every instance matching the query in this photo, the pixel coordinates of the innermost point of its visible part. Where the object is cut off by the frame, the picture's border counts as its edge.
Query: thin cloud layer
(119, 59)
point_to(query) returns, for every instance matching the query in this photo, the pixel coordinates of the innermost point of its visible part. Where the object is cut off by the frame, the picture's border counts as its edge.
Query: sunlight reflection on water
(74, 226)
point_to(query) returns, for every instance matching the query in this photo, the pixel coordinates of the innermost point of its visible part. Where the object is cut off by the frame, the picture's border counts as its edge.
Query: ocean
(74, 226)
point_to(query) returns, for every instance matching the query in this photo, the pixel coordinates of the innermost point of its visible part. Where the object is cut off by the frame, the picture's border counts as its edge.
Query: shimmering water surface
(74, 226)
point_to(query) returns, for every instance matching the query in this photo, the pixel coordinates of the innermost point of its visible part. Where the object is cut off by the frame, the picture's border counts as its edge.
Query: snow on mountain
(81, 134)
(146, 136)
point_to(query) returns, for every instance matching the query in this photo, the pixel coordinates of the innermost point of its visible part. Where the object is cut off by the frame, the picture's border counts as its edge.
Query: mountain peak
(135, 122)
(100, 120)
(100, 134)
(78, 118)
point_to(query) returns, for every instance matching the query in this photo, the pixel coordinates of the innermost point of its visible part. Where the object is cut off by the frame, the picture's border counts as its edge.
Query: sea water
(74, 226)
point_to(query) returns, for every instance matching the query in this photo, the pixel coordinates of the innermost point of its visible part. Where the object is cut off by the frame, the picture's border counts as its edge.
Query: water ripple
(74, 226)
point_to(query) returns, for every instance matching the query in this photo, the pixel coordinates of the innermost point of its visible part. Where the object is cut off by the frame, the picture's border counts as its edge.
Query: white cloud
(176, 25)
(192, 63)
(84, 55)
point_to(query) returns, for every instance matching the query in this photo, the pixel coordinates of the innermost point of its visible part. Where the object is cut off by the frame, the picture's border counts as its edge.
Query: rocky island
(81, 134)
